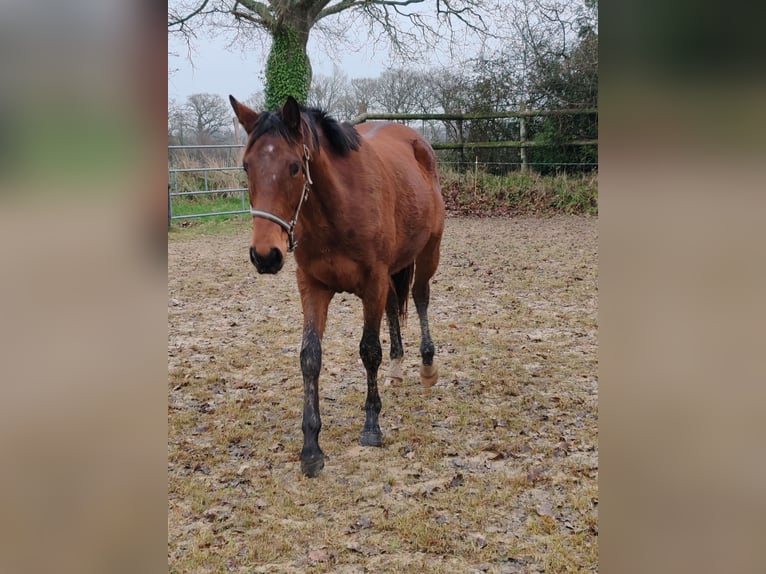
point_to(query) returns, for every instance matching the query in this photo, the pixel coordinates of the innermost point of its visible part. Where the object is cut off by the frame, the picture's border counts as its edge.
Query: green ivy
(288, 70)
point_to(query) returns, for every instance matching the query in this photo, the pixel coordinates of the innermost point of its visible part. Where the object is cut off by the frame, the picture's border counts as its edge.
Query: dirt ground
(494, 469)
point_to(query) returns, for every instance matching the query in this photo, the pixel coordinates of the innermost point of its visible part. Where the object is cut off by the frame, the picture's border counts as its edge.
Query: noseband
(289, 227)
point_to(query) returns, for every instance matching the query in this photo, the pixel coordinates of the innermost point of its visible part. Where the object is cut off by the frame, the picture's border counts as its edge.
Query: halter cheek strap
(289, 227)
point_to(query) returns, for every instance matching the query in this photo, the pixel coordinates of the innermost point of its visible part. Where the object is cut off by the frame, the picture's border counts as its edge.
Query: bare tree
(177, 124)
(255, 101)
(449, 92)
(331, 93)
(183, 16)
(398, 91)
(363, 93)
(410, 27)
(208, 117)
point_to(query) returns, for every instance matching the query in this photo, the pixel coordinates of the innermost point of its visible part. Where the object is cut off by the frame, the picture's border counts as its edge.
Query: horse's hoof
(429, 374)
(371, 438)
(311, 467)
(395, 373)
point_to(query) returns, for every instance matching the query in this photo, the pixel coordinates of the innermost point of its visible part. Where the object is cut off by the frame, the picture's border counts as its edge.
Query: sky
(218, 69)
(215, 66)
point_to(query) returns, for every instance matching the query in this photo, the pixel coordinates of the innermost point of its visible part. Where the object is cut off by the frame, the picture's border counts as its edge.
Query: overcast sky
(220, 70)
(217, 68)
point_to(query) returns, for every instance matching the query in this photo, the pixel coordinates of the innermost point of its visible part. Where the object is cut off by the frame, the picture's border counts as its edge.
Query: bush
(481, 193)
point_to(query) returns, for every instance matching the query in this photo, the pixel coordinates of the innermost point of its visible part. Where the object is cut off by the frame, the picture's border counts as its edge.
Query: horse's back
(410, 170)
(381, 134)
(402, 149)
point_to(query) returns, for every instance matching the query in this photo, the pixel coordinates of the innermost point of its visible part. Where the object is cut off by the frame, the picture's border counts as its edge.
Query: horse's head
(276, 161)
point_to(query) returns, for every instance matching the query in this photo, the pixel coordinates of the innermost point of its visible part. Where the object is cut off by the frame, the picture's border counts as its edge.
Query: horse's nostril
(271, 263)
(275, 259)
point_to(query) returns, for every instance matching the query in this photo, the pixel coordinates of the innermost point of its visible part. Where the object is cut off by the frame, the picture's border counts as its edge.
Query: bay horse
(363, 213)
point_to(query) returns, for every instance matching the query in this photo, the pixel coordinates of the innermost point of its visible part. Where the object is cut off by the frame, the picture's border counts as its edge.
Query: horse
(361, 210)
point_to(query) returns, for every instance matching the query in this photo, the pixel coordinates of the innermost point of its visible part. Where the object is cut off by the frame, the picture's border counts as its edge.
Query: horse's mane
(341, 137)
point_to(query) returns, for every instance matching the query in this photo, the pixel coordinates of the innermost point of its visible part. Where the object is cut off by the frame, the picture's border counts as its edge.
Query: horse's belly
(410, 247)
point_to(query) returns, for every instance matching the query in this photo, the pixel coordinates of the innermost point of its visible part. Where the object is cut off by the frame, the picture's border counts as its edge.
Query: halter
(290, 227)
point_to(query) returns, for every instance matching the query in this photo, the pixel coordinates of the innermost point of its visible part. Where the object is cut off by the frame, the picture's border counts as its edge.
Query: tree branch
(339, 7)
(259, 13)
(450, 11)
(180, 21)
(346, 4)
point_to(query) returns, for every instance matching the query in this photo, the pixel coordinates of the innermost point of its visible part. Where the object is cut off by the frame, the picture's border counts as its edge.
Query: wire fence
(208, 180)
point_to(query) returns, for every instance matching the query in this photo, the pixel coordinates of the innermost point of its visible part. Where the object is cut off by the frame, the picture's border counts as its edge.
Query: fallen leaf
(536, 474)
(364, 522)
(456, 481)
(216, 513)
(544, 509)
(480, 541)
(318, 556)
(354, 546)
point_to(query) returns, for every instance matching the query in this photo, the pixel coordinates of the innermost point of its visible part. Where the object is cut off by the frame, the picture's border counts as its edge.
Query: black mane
(341, 137)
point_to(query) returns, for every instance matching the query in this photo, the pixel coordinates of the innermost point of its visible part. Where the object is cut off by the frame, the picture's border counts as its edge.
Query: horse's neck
(322, 202)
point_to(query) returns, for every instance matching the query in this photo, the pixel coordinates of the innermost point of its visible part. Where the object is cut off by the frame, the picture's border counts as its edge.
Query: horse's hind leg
(397, 351)
(425, 268)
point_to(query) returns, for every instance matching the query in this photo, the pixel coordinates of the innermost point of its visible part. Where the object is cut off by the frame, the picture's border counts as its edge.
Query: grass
(191, 205)
(494, 469)
(464, 194)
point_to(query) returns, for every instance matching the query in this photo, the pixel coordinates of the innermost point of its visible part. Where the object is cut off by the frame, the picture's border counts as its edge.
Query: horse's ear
(245, 115)
(291, 115)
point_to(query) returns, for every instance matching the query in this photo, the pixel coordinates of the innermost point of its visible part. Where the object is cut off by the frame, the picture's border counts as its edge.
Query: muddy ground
(492, 470)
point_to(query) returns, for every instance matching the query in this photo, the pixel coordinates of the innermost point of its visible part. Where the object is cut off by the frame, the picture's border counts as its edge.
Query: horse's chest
(339, 273)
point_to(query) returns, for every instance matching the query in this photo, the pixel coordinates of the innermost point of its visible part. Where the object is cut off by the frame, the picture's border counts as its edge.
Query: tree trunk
(288, 69)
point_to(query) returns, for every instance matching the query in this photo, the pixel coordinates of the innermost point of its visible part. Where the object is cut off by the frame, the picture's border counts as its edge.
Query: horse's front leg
(315, 299)
(374, 303)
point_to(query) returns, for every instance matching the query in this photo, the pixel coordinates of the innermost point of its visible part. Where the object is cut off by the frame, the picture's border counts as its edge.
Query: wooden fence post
(523, 138)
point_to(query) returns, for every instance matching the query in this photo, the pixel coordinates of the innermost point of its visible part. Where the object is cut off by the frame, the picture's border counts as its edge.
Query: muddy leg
(315, 301)
(397, 351)
(429, 374)
(425, 268)
(312, 457)
(371, 352)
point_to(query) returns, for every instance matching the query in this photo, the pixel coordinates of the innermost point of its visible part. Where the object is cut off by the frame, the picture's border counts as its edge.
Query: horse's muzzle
(272, 263)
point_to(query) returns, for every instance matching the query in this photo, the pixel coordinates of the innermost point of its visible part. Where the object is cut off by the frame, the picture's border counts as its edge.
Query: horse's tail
(402, 281)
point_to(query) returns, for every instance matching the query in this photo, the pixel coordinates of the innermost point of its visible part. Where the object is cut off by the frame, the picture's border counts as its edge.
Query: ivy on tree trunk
(288, 69)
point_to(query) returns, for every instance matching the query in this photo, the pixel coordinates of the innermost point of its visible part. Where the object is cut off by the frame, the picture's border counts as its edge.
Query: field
(494, 469)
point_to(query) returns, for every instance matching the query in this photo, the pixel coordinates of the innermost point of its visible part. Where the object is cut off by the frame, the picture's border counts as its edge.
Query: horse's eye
(294, 167)
(244, 166)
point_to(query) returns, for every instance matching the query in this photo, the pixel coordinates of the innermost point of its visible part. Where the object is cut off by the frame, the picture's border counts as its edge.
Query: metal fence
(214, 172)
(185, 179)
